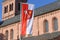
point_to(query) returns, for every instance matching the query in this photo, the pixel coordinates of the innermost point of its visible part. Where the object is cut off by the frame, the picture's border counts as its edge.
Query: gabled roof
(37, 12)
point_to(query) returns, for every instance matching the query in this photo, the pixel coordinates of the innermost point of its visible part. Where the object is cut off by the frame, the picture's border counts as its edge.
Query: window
(2, 36)
(6, 9)
(45, 26)
(6, 35)
(11, 7)
(17, 37)
(11, 34)
(55, 24)
(18, 6)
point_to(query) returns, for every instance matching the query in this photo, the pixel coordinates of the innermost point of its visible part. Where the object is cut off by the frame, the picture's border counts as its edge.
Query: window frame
(18, 6)
(45, 27)
(6, 9)
(53, 20)
(11, 7)
(6, 34)
(11, 34)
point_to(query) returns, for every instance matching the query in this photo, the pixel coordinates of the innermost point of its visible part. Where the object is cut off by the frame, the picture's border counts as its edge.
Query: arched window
(6, 9)
(6, 34)
(55, 24)
(46, 26)
(18, 37)
(18, 6)
(11, 7)
(11, 34)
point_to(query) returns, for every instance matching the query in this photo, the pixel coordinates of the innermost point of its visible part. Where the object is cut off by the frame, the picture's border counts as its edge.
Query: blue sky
(37, 3)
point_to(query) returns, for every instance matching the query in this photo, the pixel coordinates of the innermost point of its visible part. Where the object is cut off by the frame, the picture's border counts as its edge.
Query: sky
(37, 3)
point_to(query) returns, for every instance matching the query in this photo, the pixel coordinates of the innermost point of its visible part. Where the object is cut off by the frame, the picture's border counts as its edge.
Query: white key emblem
(25, 11)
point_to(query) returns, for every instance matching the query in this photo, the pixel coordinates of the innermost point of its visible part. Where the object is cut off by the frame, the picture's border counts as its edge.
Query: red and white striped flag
(27, 18)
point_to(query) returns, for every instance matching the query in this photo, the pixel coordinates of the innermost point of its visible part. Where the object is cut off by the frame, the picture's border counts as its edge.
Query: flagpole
(20, 20)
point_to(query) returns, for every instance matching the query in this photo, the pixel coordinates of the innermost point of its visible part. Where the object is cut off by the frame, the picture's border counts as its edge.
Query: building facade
(46, 19)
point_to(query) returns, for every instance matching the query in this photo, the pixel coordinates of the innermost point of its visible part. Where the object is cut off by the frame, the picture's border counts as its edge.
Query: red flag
(24, 18)
(27, 18)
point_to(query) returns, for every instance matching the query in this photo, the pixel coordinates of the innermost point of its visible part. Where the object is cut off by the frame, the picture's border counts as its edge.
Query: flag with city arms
(27, 18)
